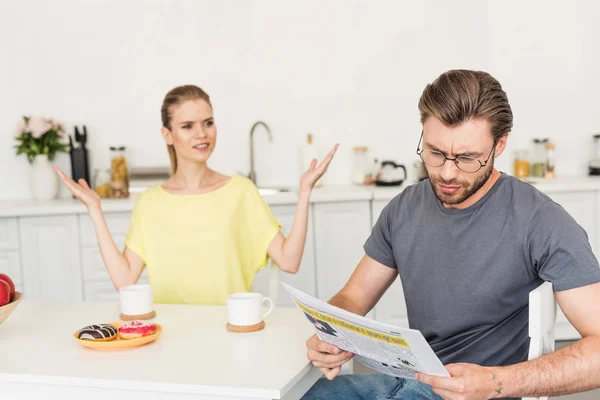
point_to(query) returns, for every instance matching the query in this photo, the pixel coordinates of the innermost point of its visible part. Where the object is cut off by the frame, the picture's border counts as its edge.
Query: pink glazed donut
(136, 329)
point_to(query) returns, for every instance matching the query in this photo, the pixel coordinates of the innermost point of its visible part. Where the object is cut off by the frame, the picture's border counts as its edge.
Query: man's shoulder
(411, 198)
(522, 194)
(414, 194)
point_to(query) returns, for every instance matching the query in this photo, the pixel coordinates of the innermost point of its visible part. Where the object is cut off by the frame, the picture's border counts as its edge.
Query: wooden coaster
(150, 315)
(246, 329)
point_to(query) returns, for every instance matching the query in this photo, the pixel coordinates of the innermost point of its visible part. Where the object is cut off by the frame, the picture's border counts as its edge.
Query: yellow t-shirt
(199, 248)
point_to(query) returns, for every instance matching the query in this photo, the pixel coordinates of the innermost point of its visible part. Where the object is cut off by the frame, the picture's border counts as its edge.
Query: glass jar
(101, 182)
(521, 164)
(119, 182)
(118, 190)
(550, 161)
(360, 166)
(539, 158)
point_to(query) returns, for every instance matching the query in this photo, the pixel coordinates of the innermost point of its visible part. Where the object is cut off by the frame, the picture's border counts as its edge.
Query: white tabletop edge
(292, 383)
(146, 386)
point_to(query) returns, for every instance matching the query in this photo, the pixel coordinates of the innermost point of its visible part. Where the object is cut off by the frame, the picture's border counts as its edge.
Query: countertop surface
(194, 354)
(325, 194)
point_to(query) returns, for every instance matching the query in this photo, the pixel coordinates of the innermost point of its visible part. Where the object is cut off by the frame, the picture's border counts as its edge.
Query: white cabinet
(118, 225)
(341, 230)
(583, 207)
(97, 285)
(305, 278)
(10, 262)
(100, 291)
(377, 207)
(9, 234)
(391, 308)
(50, 257)
(92, 265)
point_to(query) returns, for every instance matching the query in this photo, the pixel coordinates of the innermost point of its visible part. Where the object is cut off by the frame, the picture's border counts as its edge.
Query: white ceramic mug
(136, 299)
(245, 309)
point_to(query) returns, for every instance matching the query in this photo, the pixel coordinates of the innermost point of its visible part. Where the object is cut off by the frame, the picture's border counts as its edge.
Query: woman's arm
(287, 252)
(123, 269)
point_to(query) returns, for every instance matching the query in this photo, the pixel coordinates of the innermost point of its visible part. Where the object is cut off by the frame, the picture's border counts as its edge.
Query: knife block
(80, 165)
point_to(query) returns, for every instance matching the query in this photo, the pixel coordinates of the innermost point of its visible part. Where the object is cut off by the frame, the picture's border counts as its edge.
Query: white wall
(348, 71)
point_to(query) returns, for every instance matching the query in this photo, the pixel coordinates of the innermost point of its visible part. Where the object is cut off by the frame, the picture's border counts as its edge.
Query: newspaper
(385, 348)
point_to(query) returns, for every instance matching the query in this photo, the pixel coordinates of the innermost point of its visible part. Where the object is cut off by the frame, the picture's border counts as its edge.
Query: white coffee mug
(245, 309)
(136, 299)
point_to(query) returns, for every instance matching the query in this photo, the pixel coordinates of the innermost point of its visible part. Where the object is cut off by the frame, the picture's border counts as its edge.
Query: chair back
(542, 315)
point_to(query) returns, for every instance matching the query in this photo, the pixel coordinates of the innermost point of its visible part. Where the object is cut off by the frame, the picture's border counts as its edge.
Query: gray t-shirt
(467, 273)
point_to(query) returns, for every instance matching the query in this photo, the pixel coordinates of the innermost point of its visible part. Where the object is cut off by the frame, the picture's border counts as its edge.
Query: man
(469, 244)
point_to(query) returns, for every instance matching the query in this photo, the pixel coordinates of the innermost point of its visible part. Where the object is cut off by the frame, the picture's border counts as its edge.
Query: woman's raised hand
(310, 177)
(80, 190)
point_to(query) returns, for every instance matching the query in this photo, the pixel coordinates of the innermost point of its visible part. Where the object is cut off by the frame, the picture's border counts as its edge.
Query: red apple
(4, 293)
(5, 278)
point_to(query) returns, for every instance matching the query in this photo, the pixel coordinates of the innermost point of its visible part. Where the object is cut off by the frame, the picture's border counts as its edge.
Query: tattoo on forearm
(498, 383)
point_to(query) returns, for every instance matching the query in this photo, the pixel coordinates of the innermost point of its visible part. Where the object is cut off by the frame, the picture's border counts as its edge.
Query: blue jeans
(370, 386)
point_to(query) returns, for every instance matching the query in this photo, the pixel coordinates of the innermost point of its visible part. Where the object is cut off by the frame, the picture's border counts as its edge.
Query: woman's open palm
(310, 177)
(80, 190)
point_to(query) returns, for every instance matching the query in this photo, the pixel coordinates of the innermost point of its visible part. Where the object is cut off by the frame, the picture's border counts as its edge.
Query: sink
(268, 191)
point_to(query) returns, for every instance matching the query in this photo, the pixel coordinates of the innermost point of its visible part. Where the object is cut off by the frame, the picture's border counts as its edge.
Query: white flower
(58, 127)
(38, 126)
(21, 126)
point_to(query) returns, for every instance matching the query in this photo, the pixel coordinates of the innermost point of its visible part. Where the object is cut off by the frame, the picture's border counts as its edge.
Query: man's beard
(464, 192)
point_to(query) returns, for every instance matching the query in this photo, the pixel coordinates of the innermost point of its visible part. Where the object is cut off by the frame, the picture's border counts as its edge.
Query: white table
(194, 358)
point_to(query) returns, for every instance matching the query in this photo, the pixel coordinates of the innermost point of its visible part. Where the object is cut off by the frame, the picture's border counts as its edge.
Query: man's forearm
(342, 301)
(571, 369)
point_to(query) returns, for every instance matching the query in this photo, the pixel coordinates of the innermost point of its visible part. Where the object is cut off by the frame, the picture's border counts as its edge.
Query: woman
(202, 235)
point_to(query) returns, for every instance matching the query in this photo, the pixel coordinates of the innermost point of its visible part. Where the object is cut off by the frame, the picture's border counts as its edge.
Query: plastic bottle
(360, 167)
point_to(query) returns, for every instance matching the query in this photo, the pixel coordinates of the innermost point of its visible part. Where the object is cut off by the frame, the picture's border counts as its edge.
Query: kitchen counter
(325, 194)
(566, 184)
(328, 194)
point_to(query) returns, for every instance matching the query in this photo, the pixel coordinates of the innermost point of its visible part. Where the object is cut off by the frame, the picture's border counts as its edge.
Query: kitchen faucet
(252, 174)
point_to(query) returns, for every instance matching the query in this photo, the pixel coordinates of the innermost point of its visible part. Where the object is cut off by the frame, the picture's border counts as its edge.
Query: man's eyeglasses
(435, 158)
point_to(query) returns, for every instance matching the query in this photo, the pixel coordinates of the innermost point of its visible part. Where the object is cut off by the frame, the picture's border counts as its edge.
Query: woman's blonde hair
(175, 97)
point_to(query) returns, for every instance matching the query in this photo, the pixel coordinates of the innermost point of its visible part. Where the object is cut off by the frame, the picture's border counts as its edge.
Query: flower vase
(44, 181)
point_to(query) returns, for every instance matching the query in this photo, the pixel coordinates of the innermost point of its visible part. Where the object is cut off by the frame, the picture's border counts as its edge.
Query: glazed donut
(136, 329)
(99, 333)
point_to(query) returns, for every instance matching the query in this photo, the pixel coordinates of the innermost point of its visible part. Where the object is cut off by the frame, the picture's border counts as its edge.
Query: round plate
(118, 343)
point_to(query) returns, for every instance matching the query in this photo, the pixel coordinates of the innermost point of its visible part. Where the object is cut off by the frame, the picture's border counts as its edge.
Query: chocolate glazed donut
(102, 332)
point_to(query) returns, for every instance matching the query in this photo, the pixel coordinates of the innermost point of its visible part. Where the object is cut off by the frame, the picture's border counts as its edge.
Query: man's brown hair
(457, 96)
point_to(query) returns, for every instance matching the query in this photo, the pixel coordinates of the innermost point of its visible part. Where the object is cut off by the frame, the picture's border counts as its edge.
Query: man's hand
(327, 357)
(467, 382)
